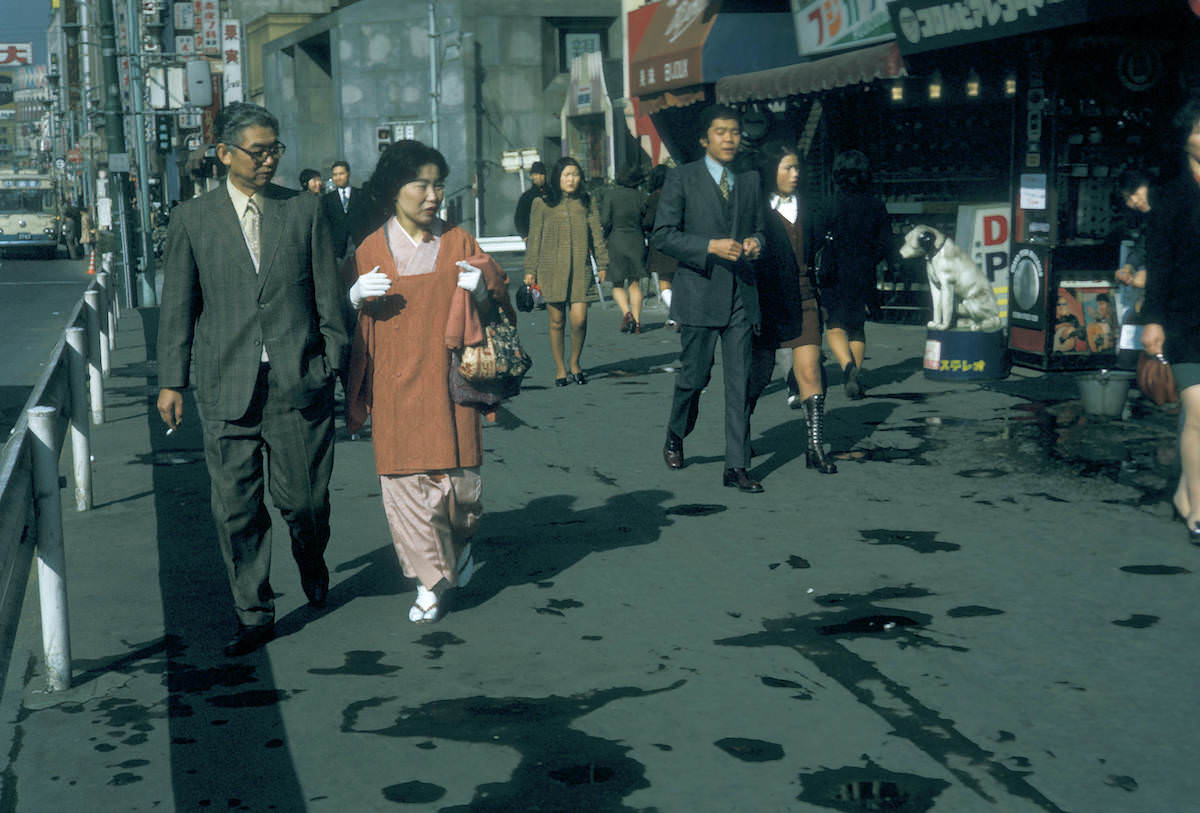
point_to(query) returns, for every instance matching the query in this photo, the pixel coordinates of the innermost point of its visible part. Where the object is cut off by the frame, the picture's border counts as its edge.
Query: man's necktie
(345, 201)
(250, 227)
(724, 184)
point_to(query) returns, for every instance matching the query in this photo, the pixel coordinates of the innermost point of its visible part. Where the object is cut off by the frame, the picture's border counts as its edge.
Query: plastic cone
(92, 262)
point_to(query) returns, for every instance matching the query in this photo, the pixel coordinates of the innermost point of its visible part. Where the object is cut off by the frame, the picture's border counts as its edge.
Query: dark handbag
(825, 263)
(1155, 379)
(500, 358)
(525, 298)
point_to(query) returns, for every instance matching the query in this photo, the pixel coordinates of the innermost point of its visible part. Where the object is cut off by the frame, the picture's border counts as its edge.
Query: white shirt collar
(241, 200)
(788, 207)
(715, 168)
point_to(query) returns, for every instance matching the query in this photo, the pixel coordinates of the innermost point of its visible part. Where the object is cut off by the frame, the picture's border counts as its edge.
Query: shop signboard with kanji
(831, 25)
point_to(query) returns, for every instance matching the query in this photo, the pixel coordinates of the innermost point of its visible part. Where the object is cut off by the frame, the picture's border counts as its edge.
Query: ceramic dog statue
(959, 288)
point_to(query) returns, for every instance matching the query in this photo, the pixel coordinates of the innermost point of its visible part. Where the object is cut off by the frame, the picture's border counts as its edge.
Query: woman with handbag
(787, 295)
(564, 233)
(1172, 319)
(427, 447)
(862, 238)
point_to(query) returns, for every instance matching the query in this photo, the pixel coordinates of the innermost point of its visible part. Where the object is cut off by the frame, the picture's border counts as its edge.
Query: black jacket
(1172, 269)
(524, 205)
(340, 221)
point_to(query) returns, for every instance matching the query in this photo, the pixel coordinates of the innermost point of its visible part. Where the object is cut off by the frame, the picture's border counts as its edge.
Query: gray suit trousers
(298, 444)
(696, 357)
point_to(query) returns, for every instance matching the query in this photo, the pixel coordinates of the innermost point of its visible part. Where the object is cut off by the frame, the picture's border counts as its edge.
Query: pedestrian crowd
(271, 296)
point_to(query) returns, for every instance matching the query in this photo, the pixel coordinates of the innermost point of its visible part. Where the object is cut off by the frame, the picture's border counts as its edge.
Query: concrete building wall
(499, 88)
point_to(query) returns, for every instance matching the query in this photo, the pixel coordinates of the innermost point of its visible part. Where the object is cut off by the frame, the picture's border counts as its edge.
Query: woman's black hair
(553, 194)
(1131, 180)
(307, 175)
(768, 165)
(658, 177)
(398, 164)
(630, 176)
(851, 171)
(1186, 120)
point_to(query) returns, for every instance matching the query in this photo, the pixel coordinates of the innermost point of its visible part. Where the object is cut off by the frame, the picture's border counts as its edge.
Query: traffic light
(163, 132)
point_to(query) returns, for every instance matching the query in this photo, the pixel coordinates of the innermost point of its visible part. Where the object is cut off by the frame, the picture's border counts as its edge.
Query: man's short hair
(1131, 180)
(307, 175)
(236, 117)
(538, 168)
(717, 111)
(337, 164)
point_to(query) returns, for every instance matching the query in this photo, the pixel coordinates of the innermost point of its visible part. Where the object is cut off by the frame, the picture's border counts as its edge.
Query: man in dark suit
(252, 296)
(340, 206)
(537, 187)
(710, 219)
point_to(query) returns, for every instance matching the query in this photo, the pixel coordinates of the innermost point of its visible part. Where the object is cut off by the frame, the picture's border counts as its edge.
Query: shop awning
(686, 46)
(849, 68)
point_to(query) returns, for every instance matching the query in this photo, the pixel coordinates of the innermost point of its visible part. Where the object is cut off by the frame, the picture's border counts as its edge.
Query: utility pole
(137, 88)
(118, 159)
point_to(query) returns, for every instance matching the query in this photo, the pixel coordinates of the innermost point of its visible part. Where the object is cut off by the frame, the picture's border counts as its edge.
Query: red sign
(75, 155)
(16, 53)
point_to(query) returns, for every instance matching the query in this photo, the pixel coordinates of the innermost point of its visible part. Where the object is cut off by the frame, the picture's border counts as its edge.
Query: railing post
(95, 307)
(96, 351)
(52, 560)
(81, 449)
(109, 321)
(106, 263)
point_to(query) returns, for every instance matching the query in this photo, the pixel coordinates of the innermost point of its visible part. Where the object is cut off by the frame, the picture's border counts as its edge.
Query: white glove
(470, 279)
(372, 283)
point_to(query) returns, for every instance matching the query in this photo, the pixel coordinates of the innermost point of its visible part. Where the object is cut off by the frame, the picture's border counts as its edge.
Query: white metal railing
(30, 501)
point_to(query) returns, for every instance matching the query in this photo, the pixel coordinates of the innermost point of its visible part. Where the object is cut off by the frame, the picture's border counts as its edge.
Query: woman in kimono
(427, 448)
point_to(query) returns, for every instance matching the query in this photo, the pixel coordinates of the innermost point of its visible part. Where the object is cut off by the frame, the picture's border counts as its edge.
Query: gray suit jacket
(690, 213)
(217, 309)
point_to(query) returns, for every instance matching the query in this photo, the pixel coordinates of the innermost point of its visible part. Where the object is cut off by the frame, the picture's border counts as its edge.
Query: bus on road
(30, 212)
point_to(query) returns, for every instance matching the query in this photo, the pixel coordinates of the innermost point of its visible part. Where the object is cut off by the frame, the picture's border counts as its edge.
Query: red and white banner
(16, 53)
(231, 51)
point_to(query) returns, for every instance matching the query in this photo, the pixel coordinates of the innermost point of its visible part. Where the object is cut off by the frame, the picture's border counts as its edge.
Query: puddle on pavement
(413, 793)
(359, 662)
(1155, 570)
(972, 611)
(555, 606)
(919, 541)
(1137, 621)
(1038, 437)
(437, 642)
(870, 788)
(695, 510)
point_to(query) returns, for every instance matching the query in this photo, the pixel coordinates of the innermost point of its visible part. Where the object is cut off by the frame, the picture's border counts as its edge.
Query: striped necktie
(724, 184)
(251, 228)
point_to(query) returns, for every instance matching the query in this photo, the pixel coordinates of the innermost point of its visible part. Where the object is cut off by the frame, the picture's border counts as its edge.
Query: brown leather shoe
(673, 452)
(739, 479)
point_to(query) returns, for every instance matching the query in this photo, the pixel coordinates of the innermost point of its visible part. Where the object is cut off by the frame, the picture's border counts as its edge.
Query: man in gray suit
(710, 219)
(251, 295)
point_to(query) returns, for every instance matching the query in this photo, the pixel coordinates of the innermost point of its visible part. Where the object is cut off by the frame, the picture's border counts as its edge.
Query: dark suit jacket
(690, 213)
(340, 222)
(216, 309)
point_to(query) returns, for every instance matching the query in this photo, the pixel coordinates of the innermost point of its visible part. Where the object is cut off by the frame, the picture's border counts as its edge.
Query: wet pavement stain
(1045, 496)
(919, 541)
(603, 478)
(908, 717)
(870, 788)
(1155, 570)
(437, 642)
(257, 698)
(1125, 783)
(360, 662)
(869, 624)
(560, 768)
(555, 606)
(695, 510)
(124, 779)
(748, 750)
(972, 611)
(1138, 621)
(798, 563)
(982, 474)
(413, 793)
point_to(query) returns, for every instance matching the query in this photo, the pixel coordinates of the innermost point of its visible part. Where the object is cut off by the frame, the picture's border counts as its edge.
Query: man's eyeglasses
(259, 157)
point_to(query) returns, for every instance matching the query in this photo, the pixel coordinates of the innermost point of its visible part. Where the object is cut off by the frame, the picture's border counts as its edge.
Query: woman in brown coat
(564, 229)
(428, 449)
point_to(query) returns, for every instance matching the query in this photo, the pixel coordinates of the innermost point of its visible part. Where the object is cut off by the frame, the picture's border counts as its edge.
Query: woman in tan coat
(427, 448)
(564, 229)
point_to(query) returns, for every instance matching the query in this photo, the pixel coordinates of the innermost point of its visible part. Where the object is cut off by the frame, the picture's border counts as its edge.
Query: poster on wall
(1085, 320)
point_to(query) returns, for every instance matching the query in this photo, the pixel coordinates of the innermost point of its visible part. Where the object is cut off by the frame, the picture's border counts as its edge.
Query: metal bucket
(1104, 393)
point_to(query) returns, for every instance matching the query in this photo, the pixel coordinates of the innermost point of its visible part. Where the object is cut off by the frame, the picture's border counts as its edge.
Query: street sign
(60, 163)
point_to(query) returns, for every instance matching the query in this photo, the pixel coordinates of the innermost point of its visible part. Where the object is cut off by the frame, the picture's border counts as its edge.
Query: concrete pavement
(987, 608)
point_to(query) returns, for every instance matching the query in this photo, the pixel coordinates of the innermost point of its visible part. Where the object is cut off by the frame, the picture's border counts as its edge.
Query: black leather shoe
(249, 639)
(673, 453)
(739, 479)
(578, 377)
(316, 587)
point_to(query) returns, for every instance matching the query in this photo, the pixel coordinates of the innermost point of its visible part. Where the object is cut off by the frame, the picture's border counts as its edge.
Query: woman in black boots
(787, 295)
(862, 238)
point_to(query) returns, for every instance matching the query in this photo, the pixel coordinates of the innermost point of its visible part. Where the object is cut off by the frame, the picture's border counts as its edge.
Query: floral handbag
(500, 358)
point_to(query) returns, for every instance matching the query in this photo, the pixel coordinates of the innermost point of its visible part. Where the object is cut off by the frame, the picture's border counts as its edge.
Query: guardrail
(30, 500)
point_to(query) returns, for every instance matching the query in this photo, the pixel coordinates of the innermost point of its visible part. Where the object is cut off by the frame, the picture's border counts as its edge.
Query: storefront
(1095, 85)
(679, 52)
(587, 118)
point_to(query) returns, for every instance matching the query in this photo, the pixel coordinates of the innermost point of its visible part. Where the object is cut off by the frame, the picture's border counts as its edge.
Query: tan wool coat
(556, 253)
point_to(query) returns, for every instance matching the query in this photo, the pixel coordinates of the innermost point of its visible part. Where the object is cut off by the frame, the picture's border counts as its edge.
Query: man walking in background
(537, 180)
(710, 219)
(340, 205)
(251, 291)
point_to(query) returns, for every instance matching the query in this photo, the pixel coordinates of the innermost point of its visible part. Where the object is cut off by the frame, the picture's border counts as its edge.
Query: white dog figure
(953, 278)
